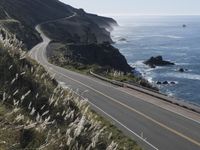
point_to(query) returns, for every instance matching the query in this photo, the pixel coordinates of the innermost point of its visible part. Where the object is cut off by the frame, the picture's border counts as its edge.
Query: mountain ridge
(25, 12)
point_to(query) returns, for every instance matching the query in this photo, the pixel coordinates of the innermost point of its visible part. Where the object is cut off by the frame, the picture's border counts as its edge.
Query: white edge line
(117, 121)
(126, 92)
(105, 84)
(124, 126)
(120, 122)
(163, 108)
(139, 99)
(114, 119)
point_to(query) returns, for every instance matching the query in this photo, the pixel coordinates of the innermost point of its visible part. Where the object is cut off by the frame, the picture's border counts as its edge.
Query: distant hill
(33, 12)
(29, 13)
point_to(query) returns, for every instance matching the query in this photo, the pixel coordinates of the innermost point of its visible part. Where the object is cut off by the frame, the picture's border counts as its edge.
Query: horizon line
(140, 14)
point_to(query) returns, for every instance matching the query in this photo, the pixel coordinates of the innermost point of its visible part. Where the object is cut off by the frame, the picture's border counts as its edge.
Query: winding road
(153, 123)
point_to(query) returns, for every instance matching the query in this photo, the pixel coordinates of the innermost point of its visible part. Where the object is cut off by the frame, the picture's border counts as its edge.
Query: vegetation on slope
(36, 113)
(102, 59)
(29, 13)
(83, 57)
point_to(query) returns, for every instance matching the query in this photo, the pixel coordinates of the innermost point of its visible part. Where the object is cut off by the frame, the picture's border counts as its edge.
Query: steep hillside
(78, 29)
(32, 12)
(83, 57)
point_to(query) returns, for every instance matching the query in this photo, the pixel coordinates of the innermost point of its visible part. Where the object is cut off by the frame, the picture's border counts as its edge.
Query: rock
(172, 82)
(122, 40)
(158, 82)
(165, 82)
(181, 70)
(184, 26)
(157, 61)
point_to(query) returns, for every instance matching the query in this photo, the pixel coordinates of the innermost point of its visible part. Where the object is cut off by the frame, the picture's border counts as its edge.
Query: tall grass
(37, 113)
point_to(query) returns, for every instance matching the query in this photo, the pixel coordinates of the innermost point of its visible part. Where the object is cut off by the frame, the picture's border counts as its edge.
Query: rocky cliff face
(90, 56)
(76, 30)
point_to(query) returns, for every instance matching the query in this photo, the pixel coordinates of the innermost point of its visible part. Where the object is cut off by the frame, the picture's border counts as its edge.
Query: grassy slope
(26, 86)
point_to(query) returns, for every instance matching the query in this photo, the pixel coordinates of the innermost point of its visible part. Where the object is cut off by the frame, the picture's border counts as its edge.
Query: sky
(138, 7)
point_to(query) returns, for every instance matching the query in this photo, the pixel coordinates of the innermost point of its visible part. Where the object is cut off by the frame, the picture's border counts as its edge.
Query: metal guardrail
(151, 92)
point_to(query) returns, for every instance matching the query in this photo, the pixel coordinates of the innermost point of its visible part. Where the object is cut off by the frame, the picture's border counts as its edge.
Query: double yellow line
(136, 111)
(130, 108)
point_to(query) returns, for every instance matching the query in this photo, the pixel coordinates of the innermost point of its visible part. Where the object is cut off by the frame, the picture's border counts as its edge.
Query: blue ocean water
(148, 36)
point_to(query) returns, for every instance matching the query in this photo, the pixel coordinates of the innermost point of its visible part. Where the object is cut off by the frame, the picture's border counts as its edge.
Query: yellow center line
(130, 108)
(136, 111)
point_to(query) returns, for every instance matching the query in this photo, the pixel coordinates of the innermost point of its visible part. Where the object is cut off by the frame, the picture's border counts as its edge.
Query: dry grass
(36, 113)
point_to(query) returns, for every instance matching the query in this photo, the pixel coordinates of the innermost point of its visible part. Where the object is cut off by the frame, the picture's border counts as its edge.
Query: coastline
(173, 99)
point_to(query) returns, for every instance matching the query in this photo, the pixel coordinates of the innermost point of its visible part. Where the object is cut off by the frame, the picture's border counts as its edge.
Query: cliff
(90, 56)
(32, 12)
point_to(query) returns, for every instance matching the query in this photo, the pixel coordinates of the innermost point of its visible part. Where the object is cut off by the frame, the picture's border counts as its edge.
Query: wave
(161, 36)
(174, 37)
(169, 93)
(142, 67)
(189, 76)
(183, 64)
(144, 70)
(119, 39)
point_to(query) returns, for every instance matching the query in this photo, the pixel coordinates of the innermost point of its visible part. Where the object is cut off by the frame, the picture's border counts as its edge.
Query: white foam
(189, 76)
(161, 36)
(149, 79)
(169, 93)
(183, 64)
(141, 67)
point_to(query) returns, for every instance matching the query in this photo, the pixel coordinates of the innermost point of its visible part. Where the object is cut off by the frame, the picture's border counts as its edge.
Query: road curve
(152, 123)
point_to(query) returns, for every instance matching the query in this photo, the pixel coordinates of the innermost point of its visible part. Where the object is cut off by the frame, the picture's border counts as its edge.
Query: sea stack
(157, 61)
(184, 25)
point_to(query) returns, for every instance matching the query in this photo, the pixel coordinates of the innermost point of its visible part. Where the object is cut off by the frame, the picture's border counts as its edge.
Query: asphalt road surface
(151, 125)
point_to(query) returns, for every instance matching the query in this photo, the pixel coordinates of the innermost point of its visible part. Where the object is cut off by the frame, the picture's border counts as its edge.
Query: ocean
(141, 37)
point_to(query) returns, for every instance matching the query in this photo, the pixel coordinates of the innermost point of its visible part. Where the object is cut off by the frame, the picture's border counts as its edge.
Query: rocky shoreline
(155, 62)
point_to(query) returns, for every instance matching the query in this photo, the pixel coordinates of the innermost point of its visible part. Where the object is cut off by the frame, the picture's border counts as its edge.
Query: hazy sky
(138, 6)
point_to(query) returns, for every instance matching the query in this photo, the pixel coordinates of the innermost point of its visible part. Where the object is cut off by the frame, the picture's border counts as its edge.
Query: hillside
(46, 10)
(86, 57)
(36, 113)
(20, 17)
(29, 13)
